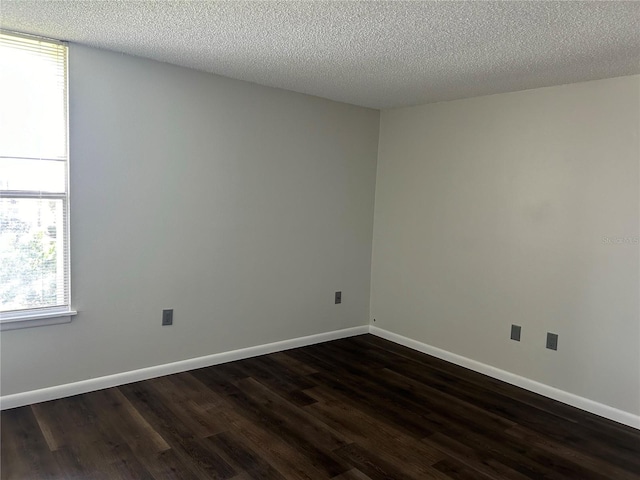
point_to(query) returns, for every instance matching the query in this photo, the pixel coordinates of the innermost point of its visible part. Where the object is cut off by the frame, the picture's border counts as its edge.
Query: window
(34, 194)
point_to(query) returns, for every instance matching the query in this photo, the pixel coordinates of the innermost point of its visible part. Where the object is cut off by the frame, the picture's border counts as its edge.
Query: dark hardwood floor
(352, 409)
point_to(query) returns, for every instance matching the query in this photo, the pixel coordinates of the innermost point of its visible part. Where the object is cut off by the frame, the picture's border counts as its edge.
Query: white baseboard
(582, 403)
(84, 386)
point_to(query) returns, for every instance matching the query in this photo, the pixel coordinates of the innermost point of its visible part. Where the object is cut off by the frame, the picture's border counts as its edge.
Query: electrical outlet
(515, 332)
(552, 341)
(338, 298)
(167, 317)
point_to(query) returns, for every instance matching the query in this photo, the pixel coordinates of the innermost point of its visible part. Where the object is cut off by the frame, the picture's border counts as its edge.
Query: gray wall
(244, 208)
(494, 210)
(241, 207)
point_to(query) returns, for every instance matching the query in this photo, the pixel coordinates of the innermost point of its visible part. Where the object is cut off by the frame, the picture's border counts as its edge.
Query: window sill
(13, 321)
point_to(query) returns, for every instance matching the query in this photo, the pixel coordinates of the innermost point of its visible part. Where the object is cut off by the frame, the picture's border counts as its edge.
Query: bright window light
(34, 210)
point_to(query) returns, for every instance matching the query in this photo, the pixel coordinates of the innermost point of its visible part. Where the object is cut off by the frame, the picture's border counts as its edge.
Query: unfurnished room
(348, 240)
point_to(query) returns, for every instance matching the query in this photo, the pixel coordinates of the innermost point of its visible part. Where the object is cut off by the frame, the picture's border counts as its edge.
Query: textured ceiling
(375, 54)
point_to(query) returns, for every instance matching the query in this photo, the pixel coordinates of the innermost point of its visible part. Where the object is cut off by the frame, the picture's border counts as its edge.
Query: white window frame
(34, 317)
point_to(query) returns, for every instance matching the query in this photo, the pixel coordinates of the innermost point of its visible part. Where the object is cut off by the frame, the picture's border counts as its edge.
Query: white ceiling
(375, 54)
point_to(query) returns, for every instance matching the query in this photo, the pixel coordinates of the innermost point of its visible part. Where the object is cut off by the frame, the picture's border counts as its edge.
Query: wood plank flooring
(353, 409)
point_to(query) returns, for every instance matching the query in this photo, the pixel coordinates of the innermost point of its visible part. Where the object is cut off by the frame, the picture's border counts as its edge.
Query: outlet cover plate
(516, 330)
(167, 317)
(338, 298)
(552, 341)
